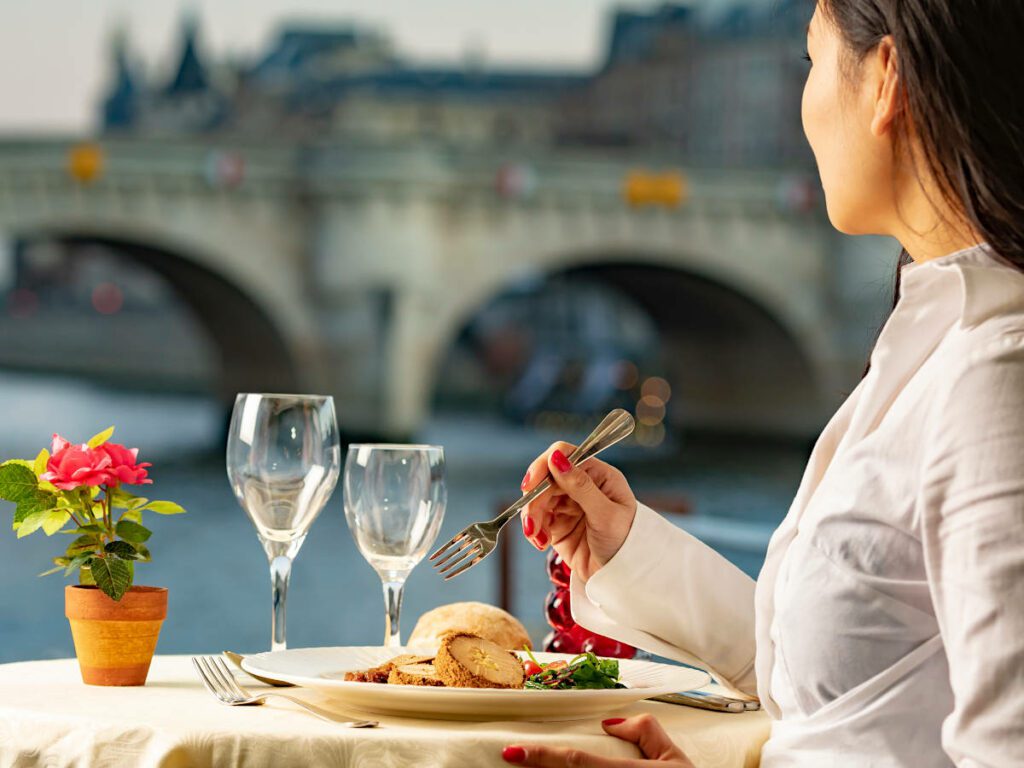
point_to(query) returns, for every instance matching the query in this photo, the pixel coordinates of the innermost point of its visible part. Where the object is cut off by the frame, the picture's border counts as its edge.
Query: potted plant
(78, 490)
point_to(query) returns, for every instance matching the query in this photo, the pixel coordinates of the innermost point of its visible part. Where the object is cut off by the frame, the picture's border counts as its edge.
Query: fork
(477, 541)
(221, 683)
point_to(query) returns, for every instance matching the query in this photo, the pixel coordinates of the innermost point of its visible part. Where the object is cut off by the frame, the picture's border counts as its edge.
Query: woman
(887, 625)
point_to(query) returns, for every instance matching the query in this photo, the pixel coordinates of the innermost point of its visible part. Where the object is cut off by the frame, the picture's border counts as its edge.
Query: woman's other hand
(585, 516)
(643, 730)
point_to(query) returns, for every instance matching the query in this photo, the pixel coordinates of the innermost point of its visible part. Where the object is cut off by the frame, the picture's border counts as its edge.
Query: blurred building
(717, 86)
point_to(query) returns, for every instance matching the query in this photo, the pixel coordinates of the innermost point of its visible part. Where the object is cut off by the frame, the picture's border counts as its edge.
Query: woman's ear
(886, 86)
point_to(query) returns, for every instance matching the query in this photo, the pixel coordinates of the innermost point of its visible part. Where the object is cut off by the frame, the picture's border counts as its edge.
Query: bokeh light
(650, 435)
(657, 387)
(650, 410)
(107, 299)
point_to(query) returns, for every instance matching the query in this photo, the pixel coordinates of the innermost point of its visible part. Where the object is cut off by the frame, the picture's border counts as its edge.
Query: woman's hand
(585, 516)
(643, 730)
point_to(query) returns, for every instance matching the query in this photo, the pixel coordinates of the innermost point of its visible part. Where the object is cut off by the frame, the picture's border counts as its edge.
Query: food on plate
(465, 660)
(486, 621)
(414, 674)
(381, 673)
(583, 672)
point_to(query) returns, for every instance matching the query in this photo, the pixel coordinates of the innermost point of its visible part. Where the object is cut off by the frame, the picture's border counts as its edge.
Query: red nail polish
(561, 463)
(513, 754)
(528, 526)
(613, 721)
(542, 539)
(526, 479)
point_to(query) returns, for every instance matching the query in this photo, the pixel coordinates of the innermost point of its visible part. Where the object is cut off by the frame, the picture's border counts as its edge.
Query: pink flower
(123, 467)
(73, 466)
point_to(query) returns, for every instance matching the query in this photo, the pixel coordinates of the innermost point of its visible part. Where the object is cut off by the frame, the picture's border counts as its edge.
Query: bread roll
(486, 621)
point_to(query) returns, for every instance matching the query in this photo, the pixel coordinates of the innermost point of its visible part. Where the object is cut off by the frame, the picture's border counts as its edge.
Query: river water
(217, 571)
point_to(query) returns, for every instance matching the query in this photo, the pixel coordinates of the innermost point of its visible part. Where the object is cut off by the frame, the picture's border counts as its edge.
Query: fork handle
(616, 426)
(315, 710)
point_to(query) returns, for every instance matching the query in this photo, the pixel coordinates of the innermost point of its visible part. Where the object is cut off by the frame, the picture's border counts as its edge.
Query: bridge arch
(257, 345)
(737, 358)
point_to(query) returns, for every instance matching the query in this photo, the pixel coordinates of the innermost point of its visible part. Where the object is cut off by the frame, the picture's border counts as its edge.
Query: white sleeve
(972, 520)
(668, 593)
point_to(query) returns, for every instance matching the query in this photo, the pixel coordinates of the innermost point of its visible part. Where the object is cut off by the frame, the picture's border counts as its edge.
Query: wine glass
(395, 497)
(283, 461)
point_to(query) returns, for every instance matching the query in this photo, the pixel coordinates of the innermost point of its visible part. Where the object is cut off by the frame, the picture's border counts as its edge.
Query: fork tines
(457, 559)
(218, 678)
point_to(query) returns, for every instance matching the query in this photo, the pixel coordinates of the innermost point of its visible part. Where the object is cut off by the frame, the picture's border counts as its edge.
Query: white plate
(324, 669)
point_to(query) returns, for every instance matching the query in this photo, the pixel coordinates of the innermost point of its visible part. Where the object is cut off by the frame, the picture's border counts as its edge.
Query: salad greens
(584, 671)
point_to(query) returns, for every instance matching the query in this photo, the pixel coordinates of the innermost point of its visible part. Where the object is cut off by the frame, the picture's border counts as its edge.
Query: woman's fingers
(538, 518)
(538, 468)
(537, 756)
(646, 732)
(577, 484)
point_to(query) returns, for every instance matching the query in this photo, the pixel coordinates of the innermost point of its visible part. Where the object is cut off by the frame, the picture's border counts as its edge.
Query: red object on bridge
(567, 636)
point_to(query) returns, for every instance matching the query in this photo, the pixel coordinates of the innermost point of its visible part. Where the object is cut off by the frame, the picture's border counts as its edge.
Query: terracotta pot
(115, 640)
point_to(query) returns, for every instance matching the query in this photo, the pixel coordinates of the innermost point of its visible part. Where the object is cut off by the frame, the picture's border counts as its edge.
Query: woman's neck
(934, 244)
(926, 225)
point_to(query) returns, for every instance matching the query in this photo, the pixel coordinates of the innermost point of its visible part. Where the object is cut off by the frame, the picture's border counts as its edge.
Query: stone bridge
(350, 270)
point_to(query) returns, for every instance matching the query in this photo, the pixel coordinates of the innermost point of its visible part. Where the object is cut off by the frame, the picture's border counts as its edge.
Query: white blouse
(887, 625)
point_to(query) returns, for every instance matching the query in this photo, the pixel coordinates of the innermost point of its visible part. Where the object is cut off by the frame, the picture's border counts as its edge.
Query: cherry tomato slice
(531, 669)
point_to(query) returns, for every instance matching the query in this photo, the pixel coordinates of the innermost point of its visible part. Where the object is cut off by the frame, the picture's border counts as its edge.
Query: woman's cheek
(819, 109)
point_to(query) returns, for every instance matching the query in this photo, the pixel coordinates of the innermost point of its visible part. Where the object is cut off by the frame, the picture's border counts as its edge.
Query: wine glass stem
(280, 573)
(393, 608)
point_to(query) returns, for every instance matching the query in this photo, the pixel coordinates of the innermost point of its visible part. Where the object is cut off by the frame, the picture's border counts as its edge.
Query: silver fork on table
(475, 542)
(221, 683)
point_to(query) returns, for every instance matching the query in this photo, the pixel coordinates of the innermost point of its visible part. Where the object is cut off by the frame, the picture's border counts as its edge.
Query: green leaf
(32, 522)
(79, 561)
(18, 463)
(41, 502)
(39, 465)
(86, 542)
(87, 528)
(85, 575)
(121, 499)
(164, 508)
(132, 531)
(54, 521)
(100, 439)
(52, 570)
(122, 549)
(112, 575)
(134, 515)
(143, 551)
(18, 482)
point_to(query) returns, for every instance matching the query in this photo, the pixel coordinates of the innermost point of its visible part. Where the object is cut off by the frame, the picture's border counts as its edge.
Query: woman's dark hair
(961, 69)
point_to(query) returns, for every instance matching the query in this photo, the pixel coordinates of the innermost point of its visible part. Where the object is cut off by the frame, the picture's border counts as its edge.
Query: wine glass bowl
(283, 461)
(395, 498)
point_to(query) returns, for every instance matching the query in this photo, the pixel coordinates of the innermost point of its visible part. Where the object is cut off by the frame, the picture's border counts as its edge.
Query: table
(49, 717)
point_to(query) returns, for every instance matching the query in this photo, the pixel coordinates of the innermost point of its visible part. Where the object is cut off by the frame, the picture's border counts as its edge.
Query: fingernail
(526, 479)
(528, 526)
(613, 721)
(542, 539)
(513, 754)
(561, 463)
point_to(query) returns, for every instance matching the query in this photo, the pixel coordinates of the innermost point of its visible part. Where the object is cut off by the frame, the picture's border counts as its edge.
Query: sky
(54, 60)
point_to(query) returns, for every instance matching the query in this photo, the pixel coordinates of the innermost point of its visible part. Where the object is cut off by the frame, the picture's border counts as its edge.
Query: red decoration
(568, 636)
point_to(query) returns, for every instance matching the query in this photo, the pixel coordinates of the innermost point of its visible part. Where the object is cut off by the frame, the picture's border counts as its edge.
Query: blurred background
(479, 224)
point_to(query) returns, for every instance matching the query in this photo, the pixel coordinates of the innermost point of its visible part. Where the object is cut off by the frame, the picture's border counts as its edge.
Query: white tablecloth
(49, 717)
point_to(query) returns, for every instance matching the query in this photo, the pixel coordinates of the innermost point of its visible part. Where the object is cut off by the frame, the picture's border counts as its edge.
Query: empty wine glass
(395, 497)
(283, 461)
